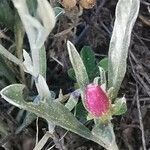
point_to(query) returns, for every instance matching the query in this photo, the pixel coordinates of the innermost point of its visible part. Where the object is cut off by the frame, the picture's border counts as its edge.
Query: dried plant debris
(86, 4)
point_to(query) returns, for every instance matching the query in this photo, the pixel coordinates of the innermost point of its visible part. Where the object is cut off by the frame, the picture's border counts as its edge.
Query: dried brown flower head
(69, 3)
(87, 4)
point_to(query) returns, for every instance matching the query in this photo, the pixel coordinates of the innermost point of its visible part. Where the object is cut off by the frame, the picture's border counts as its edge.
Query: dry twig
(140, 119)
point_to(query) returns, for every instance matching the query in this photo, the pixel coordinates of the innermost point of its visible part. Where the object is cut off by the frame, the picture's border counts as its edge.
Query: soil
(92, 28)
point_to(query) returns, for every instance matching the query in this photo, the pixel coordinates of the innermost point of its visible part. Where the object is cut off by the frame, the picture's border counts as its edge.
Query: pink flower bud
(96, 101)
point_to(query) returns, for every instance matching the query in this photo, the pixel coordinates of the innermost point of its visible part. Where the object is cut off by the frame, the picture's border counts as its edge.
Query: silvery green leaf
(38, 28)
(28, 63)
(23, 11)
(119, 106)
(110, 93)
(103, 82)
(96, 80)
(106, 133)
(46, 14)
(58, 11)
(126, 15)
(42, 87)
(42, 61)
(73, 100)
(53, 112)
(89, 117)
(78, 66)
(32, 27)
(10, 56)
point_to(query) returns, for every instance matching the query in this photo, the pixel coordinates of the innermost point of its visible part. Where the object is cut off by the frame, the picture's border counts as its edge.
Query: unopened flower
(96, 101)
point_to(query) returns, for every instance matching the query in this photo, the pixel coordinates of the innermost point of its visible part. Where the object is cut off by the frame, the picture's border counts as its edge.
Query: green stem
(10, 56)
(19, 35)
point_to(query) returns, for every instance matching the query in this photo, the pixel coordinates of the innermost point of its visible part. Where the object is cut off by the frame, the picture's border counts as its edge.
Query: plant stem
(19, 35)
(10, 56)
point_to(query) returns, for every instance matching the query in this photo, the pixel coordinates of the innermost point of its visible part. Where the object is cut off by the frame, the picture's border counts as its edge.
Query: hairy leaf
(52, 111)
(73, 100)
(126, 15)
(89, 61)
(37, 28)
(78, 66)
(10, 56)
(105, 131)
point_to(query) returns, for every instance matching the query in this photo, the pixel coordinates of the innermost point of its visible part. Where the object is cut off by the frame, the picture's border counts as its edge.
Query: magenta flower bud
(96, 101)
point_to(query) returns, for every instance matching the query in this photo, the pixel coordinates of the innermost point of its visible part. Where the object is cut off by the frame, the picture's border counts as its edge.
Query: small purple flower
(96, 101)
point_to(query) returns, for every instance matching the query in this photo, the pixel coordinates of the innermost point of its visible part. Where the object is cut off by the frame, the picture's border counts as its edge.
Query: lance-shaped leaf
(43, 88)
(28, 63)
(78, 66)
(52, 111)
(88, 57)
(126, 14)
(73, 100)
(10, 56)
